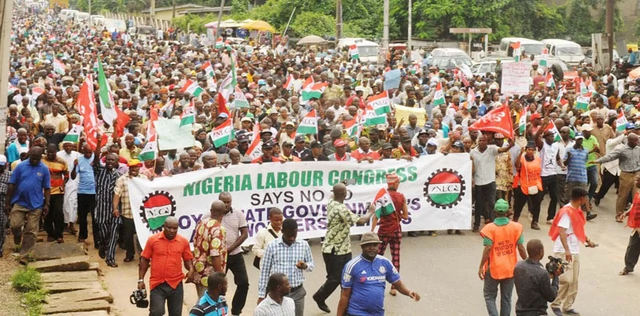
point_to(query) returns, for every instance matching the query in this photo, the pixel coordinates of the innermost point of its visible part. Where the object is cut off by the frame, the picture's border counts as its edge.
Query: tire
(558, 74)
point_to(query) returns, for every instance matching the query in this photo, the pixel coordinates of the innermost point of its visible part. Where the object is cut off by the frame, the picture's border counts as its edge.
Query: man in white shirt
(276, 303)
(266, 235)
(551, 160)
(609, 170)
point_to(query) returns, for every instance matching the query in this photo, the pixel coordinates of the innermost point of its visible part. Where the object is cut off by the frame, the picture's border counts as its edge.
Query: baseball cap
(339, 143)
(266, 131)
(387, 146)
(458, 144)
(299, 139)
(223, 115)
(587, 127)
(268, 144)
(3, 160)
(579, 136)
(405, 139)
(369, 238)
(535, 116)
(432, 142)
(287, 143)
(501, 206)
(631, 125)
(316, 144)
(246, 119)
(135, 163)
(290, 123)
(242, 138)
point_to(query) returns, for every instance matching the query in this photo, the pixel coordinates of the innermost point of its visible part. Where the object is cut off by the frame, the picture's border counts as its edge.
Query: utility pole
(385, 25)
(174, 10)
(89, 6)
(152, 9)
(609, 28)
(219, 19)
(338, 20)
(409, 26)
(6, 13)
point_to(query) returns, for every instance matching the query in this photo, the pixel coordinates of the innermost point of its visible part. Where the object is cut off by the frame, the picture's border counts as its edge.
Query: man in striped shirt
(59, 174)
(290, 256)
(277, 303)
(213, 302)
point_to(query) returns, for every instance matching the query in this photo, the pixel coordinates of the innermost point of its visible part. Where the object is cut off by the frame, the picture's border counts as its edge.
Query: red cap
(339, 143)
(535, 116)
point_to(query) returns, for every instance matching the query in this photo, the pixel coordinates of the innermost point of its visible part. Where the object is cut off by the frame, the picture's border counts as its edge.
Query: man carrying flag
(336, 249)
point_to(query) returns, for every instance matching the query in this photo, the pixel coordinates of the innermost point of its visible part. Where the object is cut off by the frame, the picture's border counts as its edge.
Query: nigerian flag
(353, 51)
(149, 151)
(309, 124)
(73, 136)
(522, 125)
(222, 134)
(582, 102)
(383, 203)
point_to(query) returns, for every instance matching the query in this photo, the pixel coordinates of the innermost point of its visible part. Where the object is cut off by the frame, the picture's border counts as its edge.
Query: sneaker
(591, 216)
(556, 311)
(535, 226)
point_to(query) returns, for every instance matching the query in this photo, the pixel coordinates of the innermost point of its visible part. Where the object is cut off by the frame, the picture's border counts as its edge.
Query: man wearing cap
(628, 156)
(287, 152)
(551, 160)
(405, 150)
(5, 177)
(316, 152)
(300, 150)
(336, 249)
(267, 153)
(363, 281)
(576, 172)
(341, 153)
(123, 213)
(498, 263)
(286, 133)
(484, 178)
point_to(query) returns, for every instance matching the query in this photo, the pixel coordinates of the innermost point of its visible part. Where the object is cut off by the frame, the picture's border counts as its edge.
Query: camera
(554, 264)
(139, 298)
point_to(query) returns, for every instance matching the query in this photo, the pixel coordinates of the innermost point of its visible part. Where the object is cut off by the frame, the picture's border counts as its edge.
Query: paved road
(443, 270)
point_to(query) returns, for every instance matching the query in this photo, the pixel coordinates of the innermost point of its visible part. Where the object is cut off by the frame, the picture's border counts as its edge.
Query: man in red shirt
(267, 153)
(364, 151)
(390, 231)
(166, 249)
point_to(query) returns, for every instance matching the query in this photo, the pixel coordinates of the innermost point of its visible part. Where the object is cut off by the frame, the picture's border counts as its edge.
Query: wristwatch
(141, 281)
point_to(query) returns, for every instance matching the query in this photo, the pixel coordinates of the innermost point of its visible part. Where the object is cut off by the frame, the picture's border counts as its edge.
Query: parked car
(449, 58)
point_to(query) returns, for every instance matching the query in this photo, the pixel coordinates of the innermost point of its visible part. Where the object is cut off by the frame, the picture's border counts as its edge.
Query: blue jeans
(592, 176)
(491, 293)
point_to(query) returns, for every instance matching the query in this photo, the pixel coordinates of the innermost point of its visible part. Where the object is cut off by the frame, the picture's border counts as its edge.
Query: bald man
(165, 281)
(336, 249)
(209, 245)
(532, 282)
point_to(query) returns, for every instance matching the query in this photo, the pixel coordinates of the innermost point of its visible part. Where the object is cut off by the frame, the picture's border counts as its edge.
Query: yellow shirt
(130, 154)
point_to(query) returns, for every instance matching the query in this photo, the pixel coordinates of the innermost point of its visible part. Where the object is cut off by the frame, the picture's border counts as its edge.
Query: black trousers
(54, 220)
(550, 185)
(485, 198)
(334, 265)
(236, 264)
(520, 199)
(164, 293)
(86, 205)
(128, 230)
(608, 180)
(633, 252)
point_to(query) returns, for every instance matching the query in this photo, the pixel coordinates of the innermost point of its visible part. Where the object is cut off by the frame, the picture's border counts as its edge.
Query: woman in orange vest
(499, 258)
(527, 186)
(633, 249)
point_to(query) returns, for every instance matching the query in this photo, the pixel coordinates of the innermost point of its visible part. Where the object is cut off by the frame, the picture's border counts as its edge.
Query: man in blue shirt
(27, 199)
(364, 279)
(576, 159)
(213, 303)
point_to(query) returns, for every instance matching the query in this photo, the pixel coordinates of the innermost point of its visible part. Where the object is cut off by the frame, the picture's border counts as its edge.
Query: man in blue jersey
(364, 279)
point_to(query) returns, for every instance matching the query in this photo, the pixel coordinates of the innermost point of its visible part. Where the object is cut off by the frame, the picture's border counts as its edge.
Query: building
(166, 13)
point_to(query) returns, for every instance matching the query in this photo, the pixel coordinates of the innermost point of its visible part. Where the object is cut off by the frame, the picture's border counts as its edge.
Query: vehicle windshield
(451, 62)
(535, 49)
(145, 31)
(367, 51)
(568, 50)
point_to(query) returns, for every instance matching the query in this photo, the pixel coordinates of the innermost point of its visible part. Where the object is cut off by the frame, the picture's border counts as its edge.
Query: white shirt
(548, 156)
(269, 307)
(562, 149)
(263, 238)
(612, 166)
(572, 240)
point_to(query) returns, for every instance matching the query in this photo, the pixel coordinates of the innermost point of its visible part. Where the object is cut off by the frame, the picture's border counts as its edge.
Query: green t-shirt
(589, 144)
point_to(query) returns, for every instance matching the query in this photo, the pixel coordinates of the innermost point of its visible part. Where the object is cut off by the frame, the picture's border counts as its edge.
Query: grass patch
(28, 282)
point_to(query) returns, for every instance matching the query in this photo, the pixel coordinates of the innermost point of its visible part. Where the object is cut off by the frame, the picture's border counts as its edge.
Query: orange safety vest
(634, 215)
(503, 256)
(529, 175)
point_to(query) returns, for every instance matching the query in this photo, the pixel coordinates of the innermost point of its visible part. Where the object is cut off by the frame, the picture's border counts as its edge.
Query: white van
(114, 24)
(66, 14)
(81, 18)
(529, 46)
(97, 20)
(567, 51)
(367, 50)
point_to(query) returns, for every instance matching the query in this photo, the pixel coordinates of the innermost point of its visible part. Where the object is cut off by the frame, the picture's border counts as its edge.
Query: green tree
(313, 23)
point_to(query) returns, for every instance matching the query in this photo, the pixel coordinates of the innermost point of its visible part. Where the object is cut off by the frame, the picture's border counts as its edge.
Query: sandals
(112, 264)
(624, 272)
(128, 259)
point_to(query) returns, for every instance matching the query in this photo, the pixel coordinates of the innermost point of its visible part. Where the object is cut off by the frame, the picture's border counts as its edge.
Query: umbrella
(260, 26)
(311, 39)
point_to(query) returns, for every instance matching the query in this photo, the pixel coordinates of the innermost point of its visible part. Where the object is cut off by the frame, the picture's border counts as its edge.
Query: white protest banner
(516, 78)
(173, 136)
(437, 197)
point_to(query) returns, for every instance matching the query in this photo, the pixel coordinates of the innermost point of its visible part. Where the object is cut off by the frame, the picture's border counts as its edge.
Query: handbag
(531, 190)
(256, 259)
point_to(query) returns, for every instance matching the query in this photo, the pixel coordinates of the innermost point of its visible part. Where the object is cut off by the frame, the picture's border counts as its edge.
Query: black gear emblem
(444, 188)
(155, 209)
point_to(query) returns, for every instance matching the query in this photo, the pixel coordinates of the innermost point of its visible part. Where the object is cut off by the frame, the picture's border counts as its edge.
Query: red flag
(123, 119)
(254, 151)
(151, 128)
(87, 106)
(497, 120)
(222, 105)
